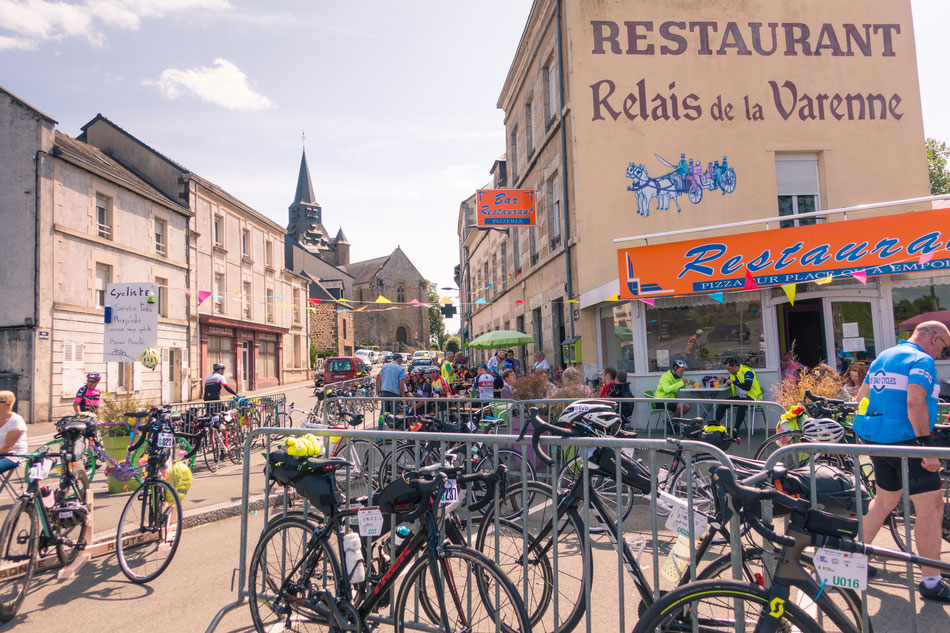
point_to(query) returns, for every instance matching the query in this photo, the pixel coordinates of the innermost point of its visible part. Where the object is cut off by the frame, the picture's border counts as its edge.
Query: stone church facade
(394, 276)
(325, 261)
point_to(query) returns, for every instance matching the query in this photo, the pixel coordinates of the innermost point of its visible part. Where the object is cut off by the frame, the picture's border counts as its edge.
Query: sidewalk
(40, 433)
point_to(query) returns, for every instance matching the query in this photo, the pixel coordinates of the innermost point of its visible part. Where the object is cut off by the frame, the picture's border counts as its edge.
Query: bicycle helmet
(217, 366)
(680, 363)
(150, 357)
(93, 375)
(822, 430)
(601, 415)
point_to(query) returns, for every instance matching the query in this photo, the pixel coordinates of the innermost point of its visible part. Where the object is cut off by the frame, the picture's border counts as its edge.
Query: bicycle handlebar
(748, 498)
(540, 426)
(500, 474)
(428, 488)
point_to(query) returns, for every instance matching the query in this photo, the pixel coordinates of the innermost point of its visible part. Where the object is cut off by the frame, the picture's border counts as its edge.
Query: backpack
(179, 476)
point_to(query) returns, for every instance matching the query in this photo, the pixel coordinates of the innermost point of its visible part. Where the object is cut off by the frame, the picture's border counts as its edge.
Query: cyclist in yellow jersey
(448, 373)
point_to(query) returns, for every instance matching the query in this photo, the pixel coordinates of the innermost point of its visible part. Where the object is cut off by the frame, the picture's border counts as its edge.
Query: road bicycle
(41, 520)
(718, 605)
(150, 524)
(298, 581)
(543, 540)
(222, 438)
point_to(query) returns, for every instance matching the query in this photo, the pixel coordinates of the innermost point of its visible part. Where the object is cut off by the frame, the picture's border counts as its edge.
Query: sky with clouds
(398, 100)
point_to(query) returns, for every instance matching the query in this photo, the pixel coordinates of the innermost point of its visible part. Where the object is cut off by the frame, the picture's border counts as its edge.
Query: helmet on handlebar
(822, 430)
(601, 415)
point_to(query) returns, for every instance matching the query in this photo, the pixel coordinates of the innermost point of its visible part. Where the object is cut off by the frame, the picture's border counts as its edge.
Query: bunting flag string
(861, 276)
(749, 281)
(717, 297)
(649, 302)
(789, 292)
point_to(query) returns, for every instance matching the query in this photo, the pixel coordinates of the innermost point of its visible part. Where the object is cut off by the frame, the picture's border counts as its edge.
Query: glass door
(851, 331)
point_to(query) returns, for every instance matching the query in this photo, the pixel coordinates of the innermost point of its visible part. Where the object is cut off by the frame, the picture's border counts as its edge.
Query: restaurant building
(754, 118)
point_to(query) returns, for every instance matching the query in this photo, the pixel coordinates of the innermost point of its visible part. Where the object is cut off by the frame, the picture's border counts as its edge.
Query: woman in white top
(12, 432)
(539, 362)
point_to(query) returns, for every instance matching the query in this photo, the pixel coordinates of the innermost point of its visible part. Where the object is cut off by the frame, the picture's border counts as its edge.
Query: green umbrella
(500, 339)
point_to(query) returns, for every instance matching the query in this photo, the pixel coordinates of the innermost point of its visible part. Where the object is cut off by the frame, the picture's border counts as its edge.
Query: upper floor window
(161, 288)
(400, 294)
(161, 236)
(554, 207)
(246, 299)
(270, 305)
(103, 279)
(218, 230)
(245, 243)
(529, 128)
(269, 254)
(296, 306)
(219, 293)
(796, 177)
(552, 102)
(104, 216)
(513, 149)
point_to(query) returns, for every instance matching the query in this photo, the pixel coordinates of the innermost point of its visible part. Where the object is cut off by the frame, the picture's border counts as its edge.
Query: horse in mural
(686, 178)
(663, 189)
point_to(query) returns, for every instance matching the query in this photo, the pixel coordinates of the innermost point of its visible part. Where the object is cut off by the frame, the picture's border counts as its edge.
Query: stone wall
(381, 328)
(332, 331)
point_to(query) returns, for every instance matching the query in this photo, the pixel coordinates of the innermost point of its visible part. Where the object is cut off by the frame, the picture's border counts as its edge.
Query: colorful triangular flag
(649, 302)
(519, 301)
(382, 299)
(925, 257)
(572, 301)
(789, 292)
(861, 275)
(614, 297)
(716, 296)
(481, 301)
(415, 303)
(749, 283)
(203, 294)
(445, 301)
(824, 280)
(360, 309)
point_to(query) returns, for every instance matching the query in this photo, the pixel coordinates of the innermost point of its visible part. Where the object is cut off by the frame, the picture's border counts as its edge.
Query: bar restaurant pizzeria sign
(504, 207)
(877, 246)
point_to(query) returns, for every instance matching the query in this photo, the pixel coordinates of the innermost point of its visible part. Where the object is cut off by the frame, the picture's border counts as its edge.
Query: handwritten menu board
(131, 315)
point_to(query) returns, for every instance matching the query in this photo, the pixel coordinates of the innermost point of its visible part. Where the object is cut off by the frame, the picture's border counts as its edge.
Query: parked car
(387, 356)
(342, 368)
(366, 355)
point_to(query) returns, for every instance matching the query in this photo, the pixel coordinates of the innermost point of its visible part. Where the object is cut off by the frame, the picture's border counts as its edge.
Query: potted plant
(117, 436)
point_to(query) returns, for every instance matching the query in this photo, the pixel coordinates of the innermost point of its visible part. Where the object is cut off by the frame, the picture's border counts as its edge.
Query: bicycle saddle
(687, 421)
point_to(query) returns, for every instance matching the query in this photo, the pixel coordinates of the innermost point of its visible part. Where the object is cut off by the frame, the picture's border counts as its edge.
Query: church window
(400, 294)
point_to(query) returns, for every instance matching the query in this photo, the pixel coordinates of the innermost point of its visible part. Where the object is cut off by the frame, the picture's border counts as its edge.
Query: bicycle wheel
(364, 458)
(476, 594)
(210, 450)
(603, 487)
(758, 567)
(279, 578)
(702, 485)
(149, 531)
(531, 523)
(722, 606)
(68, 526)
(490, 459)
(898, 527)
(406, 459)
(254, 422)
(234, 441)
(182, 448)
(18, 547)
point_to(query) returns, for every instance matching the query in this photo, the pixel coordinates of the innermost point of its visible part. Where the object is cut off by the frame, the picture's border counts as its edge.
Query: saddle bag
(834, 488)
(632, 471)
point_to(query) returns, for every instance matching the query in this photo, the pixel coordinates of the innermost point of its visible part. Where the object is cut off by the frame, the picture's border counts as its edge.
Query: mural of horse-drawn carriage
(688, 177)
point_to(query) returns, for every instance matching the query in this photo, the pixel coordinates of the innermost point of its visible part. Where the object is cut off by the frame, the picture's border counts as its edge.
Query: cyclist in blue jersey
(902, 387)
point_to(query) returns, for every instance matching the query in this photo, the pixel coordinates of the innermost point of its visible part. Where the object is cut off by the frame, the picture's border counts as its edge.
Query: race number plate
(678, 521)
(842, 569)
(39, 470)
(65, 514)
(471, 426)
(371, 521)
(450, 494)
(166, 440)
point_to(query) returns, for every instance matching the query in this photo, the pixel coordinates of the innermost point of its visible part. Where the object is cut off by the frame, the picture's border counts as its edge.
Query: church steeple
(304, 185)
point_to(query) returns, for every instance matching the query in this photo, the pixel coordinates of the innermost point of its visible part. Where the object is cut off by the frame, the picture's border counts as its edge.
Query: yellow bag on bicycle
(180, 479)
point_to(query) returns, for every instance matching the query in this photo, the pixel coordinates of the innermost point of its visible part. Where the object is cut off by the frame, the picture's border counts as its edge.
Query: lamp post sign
(131, 321)
(505, 207)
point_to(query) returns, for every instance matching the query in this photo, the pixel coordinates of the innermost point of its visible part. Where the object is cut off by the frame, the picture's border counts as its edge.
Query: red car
(342, 368)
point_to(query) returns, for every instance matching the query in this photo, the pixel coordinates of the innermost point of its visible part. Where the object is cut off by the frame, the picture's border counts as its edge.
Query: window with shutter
(796, 178)
(72, 372)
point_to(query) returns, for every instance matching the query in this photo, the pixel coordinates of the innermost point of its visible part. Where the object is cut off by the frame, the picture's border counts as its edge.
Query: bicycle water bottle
(47, 495)
(353, 555)
(677, 562)
(402, 538)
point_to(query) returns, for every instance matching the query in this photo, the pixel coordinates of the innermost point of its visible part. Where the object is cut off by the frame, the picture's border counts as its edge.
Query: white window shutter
(112, 377)
(136, 376)
(72, 371)
(796, 174)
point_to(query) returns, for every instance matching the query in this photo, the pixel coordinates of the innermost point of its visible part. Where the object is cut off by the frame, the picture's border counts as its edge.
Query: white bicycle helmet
(601, 415)
(822, 430)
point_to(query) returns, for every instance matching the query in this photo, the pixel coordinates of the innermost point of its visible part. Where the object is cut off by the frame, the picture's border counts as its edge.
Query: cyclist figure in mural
(87, 398)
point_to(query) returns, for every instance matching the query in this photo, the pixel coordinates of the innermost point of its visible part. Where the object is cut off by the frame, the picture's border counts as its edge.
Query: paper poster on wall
(131, 321)
(850, 330)
(663, 358)
(853, 344)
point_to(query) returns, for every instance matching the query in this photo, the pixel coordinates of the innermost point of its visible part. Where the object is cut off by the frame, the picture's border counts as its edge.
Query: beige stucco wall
(860, 161)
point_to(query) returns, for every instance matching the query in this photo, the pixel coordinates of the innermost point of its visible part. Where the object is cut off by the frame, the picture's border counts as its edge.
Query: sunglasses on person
(945, 343)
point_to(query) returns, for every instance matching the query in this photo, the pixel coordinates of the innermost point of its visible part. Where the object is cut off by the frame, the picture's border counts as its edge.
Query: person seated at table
(743, 385)
(420, 387)
(670, 384)
(508, 391)
(607, 379)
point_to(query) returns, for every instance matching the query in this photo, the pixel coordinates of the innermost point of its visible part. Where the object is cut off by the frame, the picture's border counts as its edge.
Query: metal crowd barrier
(934, 619)
(642, 526)
(266, 404)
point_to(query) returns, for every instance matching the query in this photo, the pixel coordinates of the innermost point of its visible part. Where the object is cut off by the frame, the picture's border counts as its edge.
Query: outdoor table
(707, 411)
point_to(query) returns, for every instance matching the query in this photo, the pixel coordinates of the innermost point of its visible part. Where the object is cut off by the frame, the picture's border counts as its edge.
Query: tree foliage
(436, 322)
(452, 344)
(937, 155)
